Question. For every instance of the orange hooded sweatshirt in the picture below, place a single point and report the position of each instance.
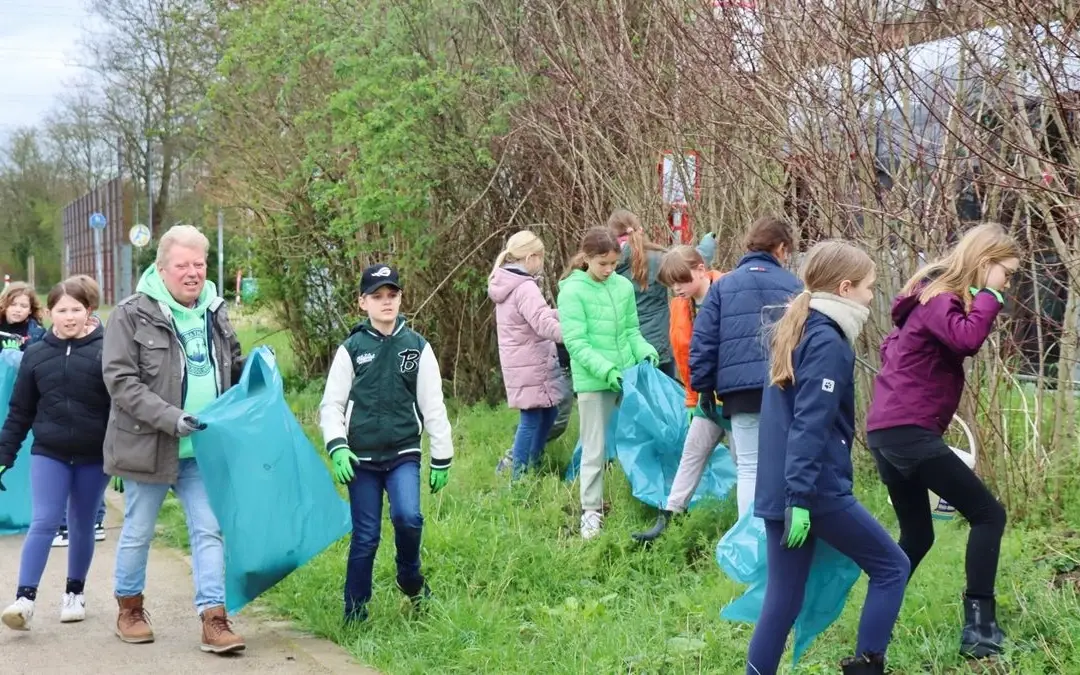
(680, 331)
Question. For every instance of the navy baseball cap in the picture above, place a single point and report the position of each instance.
(377, 276)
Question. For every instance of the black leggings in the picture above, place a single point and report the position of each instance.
(952, 480)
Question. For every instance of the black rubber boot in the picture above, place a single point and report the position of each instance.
(981, 637)
(863, 665)
(662, 521)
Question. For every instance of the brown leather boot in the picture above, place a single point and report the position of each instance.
(133, 624)
(217, 634)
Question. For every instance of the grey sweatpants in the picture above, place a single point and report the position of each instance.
(594, 412)
(700, 442)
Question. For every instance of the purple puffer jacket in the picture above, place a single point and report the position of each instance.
(922, 359)
(528, 330)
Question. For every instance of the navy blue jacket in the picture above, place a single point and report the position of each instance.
(804, 444)
(727, 351)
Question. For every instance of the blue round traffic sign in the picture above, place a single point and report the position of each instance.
(97, 221)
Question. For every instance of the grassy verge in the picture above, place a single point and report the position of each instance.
(518, 592)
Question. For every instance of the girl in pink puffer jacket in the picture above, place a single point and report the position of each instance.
(528, 330)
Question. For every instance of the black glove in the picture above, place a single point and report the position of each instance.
(707, 403)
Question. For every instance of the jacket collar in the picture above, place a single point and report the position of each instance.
(759, 257)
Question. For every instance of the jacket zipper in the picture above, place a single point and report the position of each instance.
(618, 328)
(67, 399)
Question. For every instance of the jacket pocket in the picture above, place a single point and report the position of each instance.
(135, 446)
(153, 346)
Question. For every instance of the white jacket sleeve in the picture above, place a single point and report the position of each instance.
(334, 408)
(429, 398)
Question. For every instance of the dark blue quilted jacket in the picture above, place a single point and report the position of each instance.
(728, 351)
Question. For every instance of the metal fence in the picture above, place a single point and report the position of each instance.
(113, 199)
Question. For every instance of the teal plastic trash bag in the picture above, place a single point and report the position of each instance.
(650, 436)
(268, 486)
(647, 433)
(15, 501)
(741, 554)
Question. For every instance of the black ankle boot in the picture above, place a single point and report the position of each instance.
(981, 636)
(662, 521)
(871, 664)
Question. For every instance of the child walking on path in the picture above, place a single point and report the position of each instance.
(600, 328)
(384, 389)
(528, 330)
(20, 316)
(804, 477)
(727, 352)
(639, 261)
(93, 295)
(59, 394)
(685, 272)
(943, 315)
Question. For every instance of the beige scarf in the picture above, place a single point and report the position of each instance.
(850, 315)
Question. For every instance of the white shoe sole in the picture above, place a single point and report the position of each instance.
(72, 618)
(15, 620)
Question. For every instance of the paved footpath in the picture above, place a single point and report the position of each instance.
(91, 646)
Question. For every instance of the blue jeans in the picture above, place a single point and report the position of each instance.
(54, 486)
(531, 437)
(402, 486)
(853, 532)
(142, 502)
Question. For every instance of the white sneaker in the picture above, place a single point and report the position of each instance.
(72, 608)
(18, 615)
(61, 538)
(591, 523)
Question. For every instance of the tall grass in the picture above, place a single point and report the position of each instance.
(517, 591)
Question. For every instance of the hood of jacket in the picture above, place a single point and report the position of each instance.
(903, 306)
(153, 285)
(505, 280)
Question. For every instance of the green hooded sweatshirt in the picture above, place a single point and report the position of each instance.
(191, 325)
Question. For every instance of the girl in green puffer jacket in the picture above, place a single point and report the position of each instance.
(599, 322)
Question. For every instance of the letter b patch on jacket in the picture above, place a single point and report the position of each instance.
(410, 360)
(828, 385)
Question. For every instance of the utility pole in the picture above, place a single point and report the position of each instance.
(221, 251)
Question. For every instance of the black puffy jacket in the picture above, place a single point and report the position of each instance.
(59, 394)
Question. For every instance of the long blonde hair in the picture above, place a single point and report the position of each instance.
(827, 265)
(518, 247)
(959, 269)
(622, 222)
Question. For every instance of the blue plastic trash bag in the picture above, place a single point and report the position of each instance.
(741, 554)
(649, 440)
(15, 502)
(268, 486)
(647, 433)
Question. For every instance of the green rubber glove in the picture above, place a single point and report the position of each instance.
(2, 470)
(438, 478)
(997, 294)
(614, 380)
(117, 484)
(343, 459)
(653, 360)
(796, 526)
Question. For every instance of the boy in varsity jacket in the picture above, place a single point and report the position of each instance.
(383, 390)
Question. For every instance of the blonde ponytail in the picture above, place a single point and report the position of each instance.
(786, 335)
(518, 247)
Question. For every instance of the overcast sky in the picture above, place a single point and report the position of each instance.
(38, 47)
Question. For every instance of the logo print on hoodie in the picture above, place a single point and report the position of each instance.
(198, 356)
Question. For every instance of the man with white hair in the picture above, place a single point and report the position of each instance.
(169, 351)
